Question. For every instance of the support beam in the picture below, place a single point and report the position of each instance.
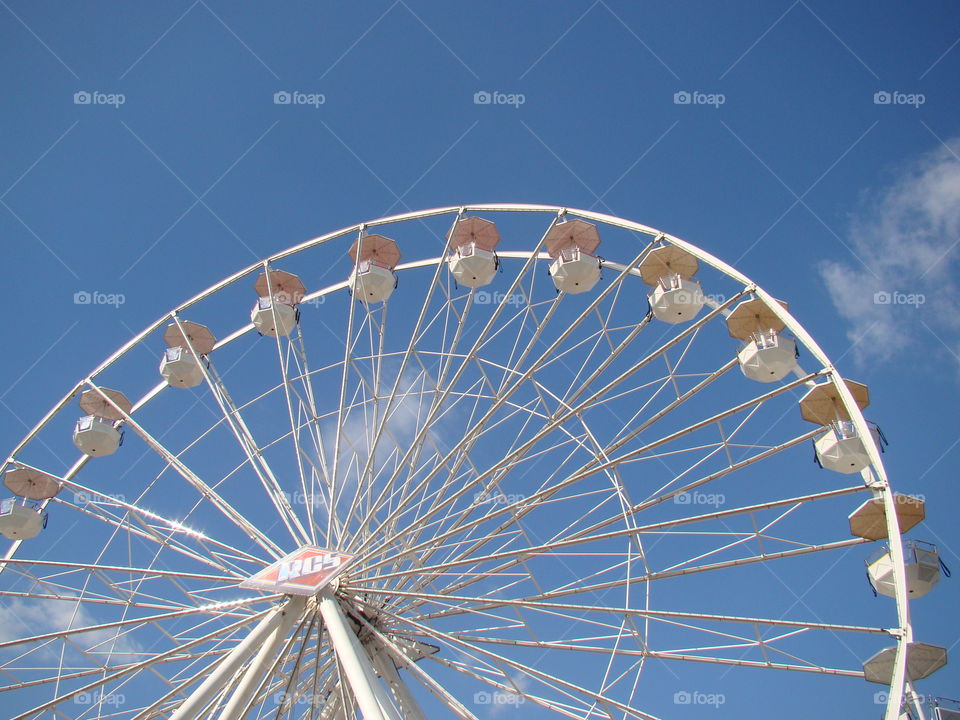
(201, 697)
(253, 676)
(367, 689)
(401, 693)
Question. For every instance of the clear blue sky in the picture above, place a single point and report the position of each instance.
(798, 173)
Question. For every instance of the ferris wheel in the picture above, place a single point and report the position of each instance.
(452, 463)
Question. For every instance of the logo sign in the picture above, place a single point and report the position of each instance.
(302, 572)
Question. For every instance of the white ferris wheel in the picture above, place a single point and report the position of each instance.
(455, 462)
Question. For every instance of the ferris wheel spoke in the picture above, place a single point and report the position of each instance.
(806, 667)
(220, 608)
(285, 508)
(566, 687)
(380, 426)
(439, 400)
(145, 531)
(560, 542)
(312, 423)
(537, 498)
(459, 604)
(133, 667)
(199, 485)
(333, 530)
(241, 432)
(580, 587)
(463, 447)
(254, 454)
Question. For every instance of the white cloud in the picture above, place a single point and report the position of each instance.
(19, 619)
(906, 239)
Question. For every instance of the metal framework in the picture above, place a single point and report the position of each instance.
(538, 489)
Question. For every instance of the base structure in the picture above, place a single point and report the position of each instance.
(374, 683)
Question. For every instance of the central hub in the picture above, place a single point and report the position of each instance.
(303, 572)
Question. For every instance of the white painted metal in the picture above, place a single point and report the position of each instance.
(384, 665)
(445, 539)
(575, 271)
(472, 266)
(95, 436)
(194, 705)
(19, 521)
(768, 357)
(180, 369)
(364, 684)
(372, 282)
(922, 570)
(253, 675)
(676, 299)
(273, 318)
(840, 448)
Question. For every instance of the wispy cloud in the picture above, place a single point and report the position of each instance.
(19, 619)
(907, 234)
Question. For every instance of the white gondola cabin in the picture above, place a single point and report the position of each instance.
(767, 356)
(675, 296)
(20, 520)
(96, 434)
(373, 278)
(923, 660)
(178, 366)
(842, 450)
(472, 260)
(571, 244)
(278, 294)
(273, 316)
(921, 563)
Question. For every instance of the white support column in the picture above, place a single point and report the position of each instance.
(370, 694)
(201, 697)
(237, 705)
(388, 671)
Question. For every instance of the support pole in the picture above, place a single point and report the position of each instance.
(237, 705)
(388, 671)
(191, 708)
(370, 694)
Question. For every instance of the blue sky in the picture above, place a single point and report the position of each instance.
(818, 153)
